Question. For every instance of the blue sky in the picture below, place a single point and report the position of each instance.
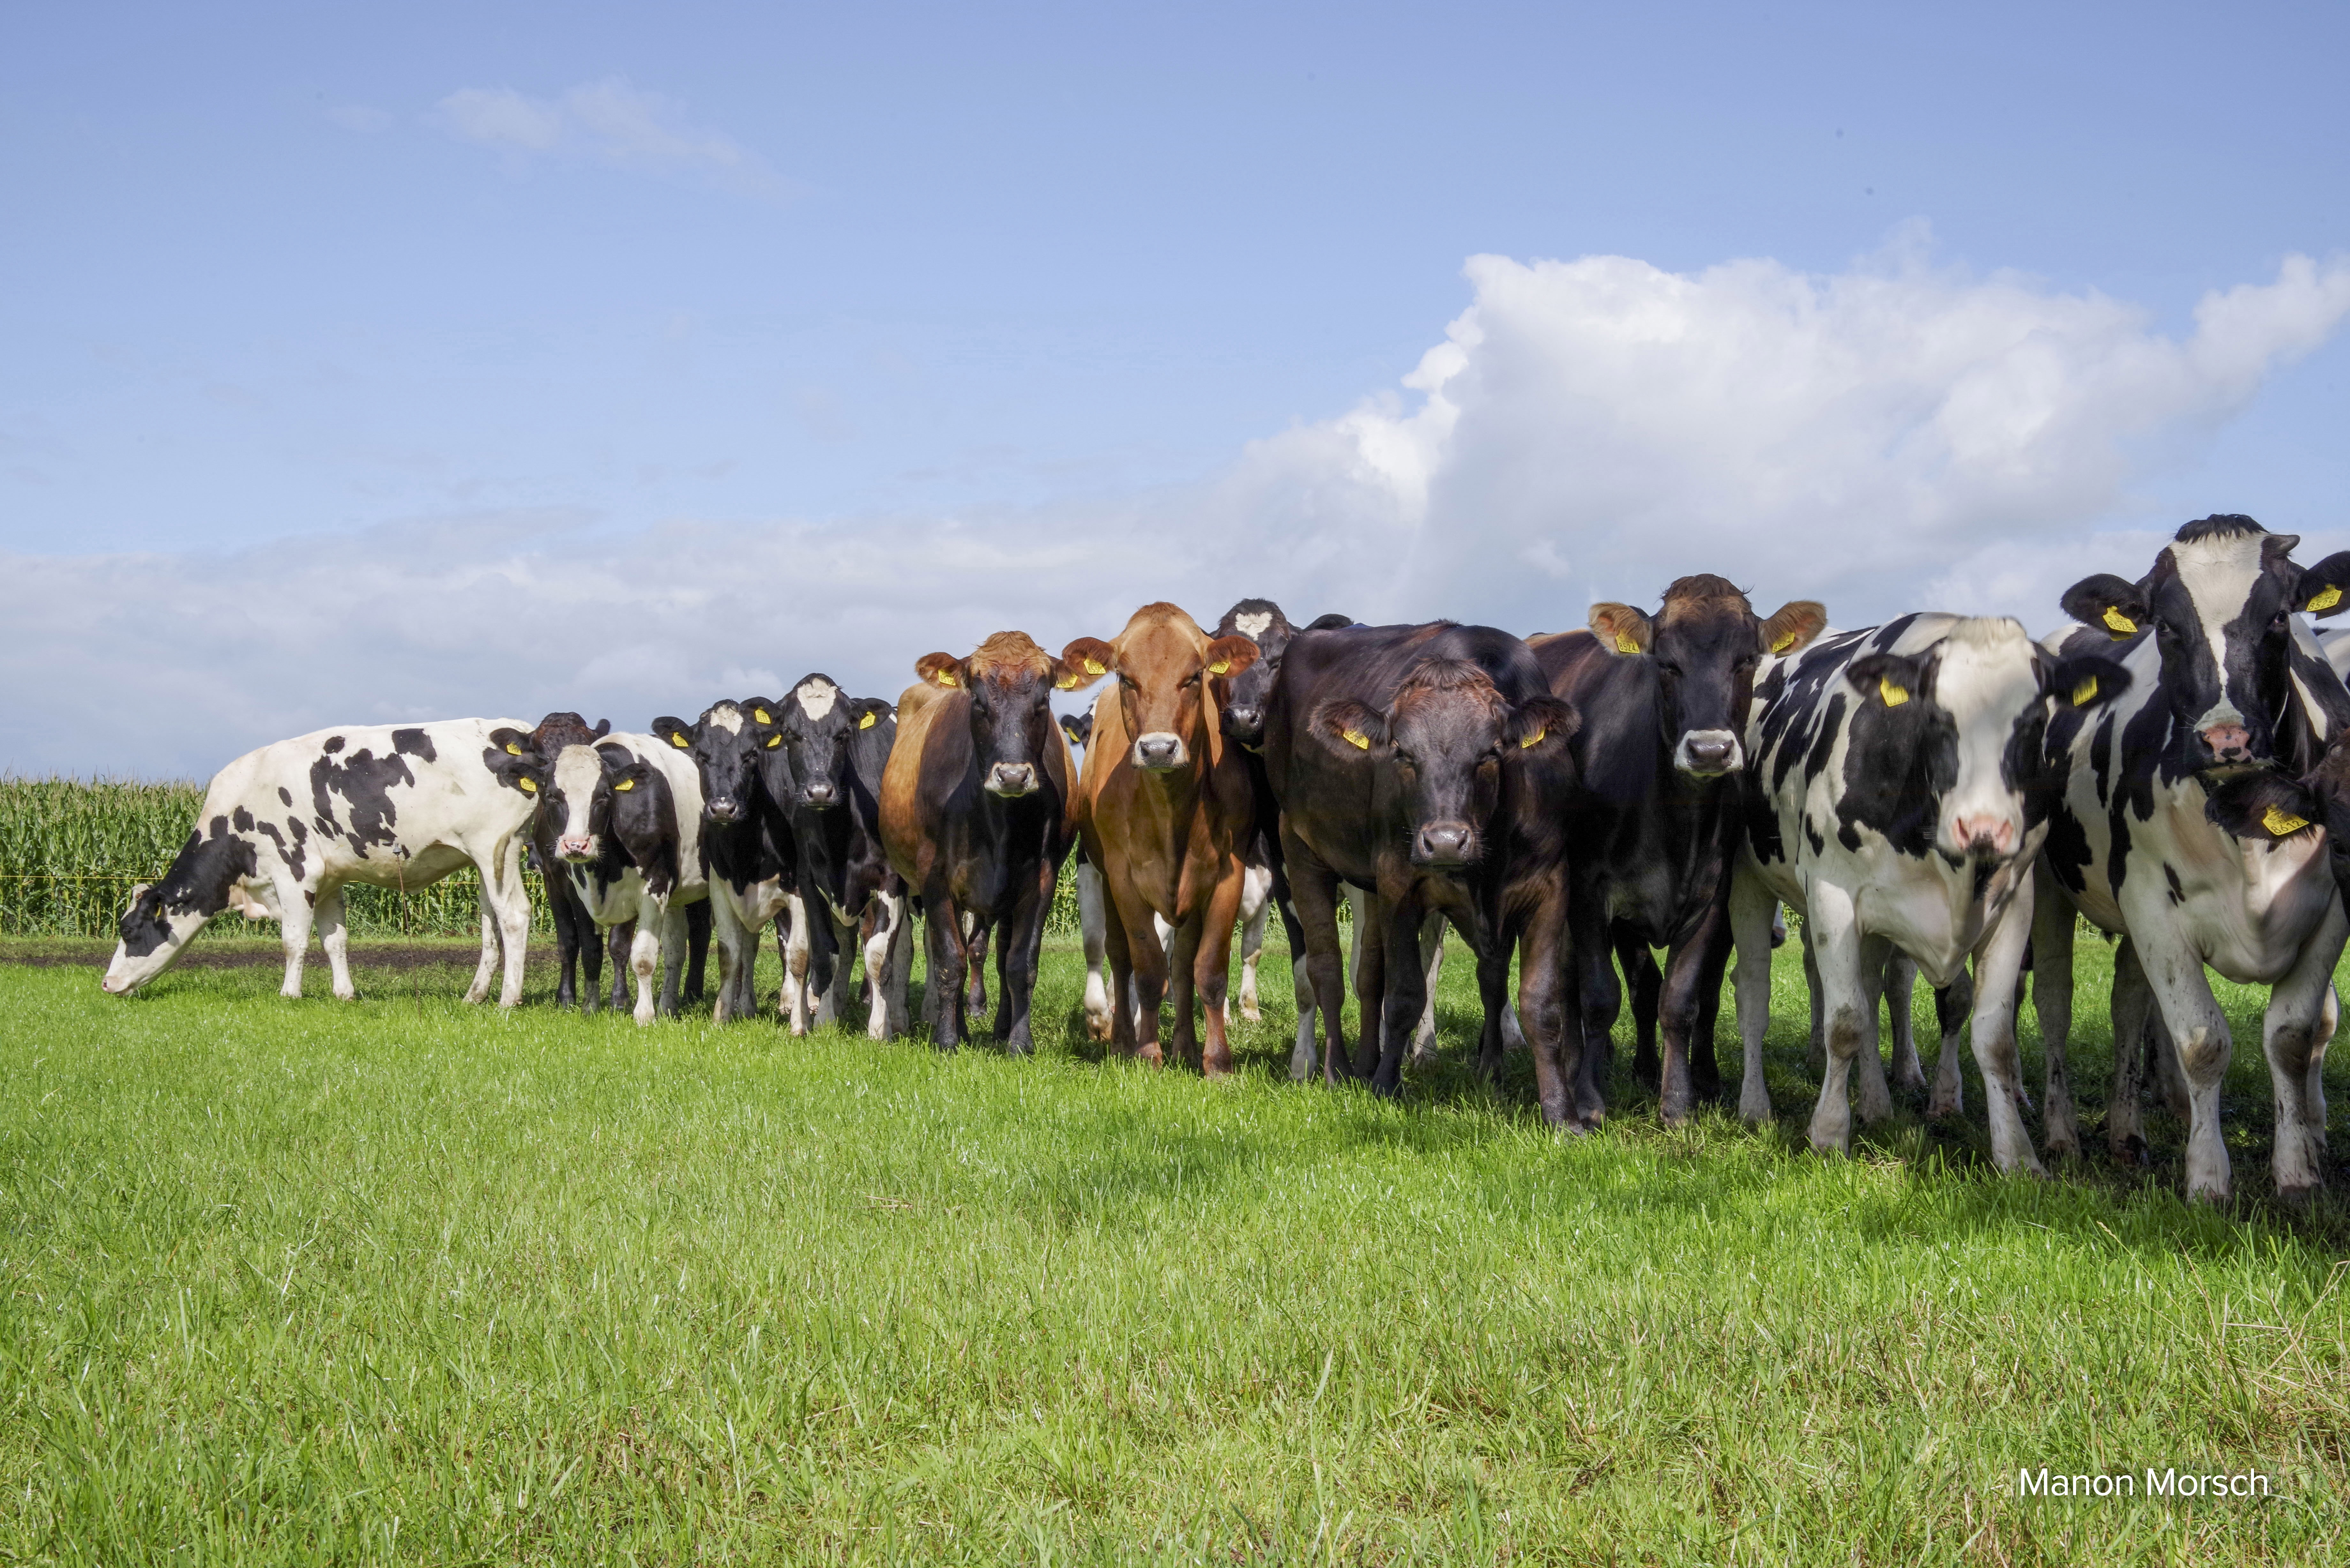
(400, 361)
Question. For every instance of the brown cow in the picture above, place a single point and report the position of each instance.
(976, 815)
(1166, 808)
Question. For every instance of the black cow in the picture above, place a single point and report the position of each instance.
(748, 850)
(1429, 764)
(1657, 811)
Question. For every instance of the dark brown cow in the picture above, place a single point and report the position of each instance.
(976, 815)
(1166, 808)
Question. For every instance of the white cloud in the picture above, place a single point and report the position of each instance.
(609, 121)
(1892, 437)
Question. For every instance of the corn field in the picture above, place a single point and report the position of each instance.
(72, 849)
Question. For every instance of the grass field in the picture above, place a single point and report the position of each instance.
(405, 1281)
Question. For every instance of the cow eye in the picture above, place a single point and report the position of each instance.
(1190, 680)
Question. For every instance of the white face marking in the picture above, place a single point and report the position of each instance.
(816, 698)
(578, 771)
(1986, 683)
(1253, 624)
(2217, 574)
(727, 717)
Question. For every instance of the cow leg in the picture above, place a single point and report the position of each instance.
(644, 963)
(697, 939)
(1256, 902)
(1898, 984)
(1400, 998)
(2198, 1032)
(1432, 966)
(798, 958)
(674, 925)
(1372, 919)
(1752, 911)
(1640, 974)
(736, 951)
(2052, 923)
(1301, 987)
(975, 1000)
(588, 940)
(1144, 984)
(1999, 965)
(1093, 926)
(2293, 1036)
(506, 898)
(879, 948)
(1545, 1004)
(1598, 997)
(1834, 930)
(1313, 889)
(335, 937)
(901, 966)
(1208, 961)
(2137, 1034)
(1875, 1095)
(1020, 946)
(622, 941)
(1953, 1003)
(1711, 955)
(294, 933)
(832, 996)
(1815, 1056)
(1494, 998)
(1689, 966)
(948, 956)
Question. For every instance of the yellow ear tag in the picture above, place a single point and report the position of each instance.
(946, 677)
(679, 741)
(513, 750)
(1067, 684)
(863, 723)
(2280, 822)
(1894, 695)
(774, 741)
(1220, 666)
(760, 715)
(624, 786)
(2084, 692)
(2119, 624)
(1624, 643)
(2324, 601)
(1784, 644)
(525, 786)
(1535, 738)
(1096, 667)
(1357, 739)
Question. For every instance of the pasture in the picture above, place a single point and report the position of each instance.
(400, 1279)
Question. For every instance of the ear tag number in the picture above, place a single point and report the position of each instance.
(2325, 600)
(2119, 624)
(1220, 666)
(1624, 643)
(863, 723)
(1358, 740)
(526, 787)
(679, 741)
(2085, 691)
(624, 786)
(513, 750)
(1096, 667)
(1785, 643)
(1535, 738)
(1894, 695)
(2282, 823)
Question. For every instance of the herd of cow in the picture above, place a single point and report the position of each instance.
(1934, 794)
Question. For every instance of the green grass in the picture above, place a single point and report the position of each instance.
(404, 1281)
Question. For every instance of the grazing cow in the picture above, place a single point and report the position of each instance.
(1657, 806)
(1899, 798)
(824, 767)
(748, 852)
(975, 815)
(630, 810)
(1165, 809)
(390, 805)
(1429, 764)
(2229, 680)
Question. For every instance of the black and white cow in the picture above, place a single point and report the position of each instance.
(2228, 680)
(390, 805)
(629, 808)
(747, 849)
(1899, 796)
(823, 752)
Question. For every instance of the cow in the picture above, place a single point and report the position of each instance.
(824, 757)
(747, 850)
(1165, 809)
(629, 810)
(2229, 680)
(1429, 764)
(577, 943)
(976, 818)
(392, 805)
(1899, 799)
(1657, 809)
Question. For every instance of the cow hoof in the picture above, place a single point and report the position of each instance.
(1753, 1108)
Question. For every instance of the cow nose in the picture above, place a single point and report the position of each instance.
(723, 810)
(1158, 753)
(1983, 836)
(2229, 742)
(572, 847)
(1709, 752)
(818, 795)
(1444, 844)
(1243, 722)
(1011, 779)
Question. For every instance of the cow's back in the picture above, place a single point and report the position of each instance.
(361, 793)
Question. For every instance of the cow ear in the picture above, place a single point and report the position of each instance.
(939, 670)
(1230, 655)
(1887, 677)
(1621, 629)
(1348, 728)
(869, 711)
(603, 728)
(1546, 723)
(512, 761)
(1797, 622)
(676, 731)
(2087, 679)
(2324, 585)
(1083, 662)
(511, 742)
(2265, 807)
(1078, 727)
(2107, 601)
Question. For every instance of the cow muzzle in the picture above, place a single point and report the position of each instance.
(2229, 744)
(724, 812)
(1984, 836)
(579, 847)
(1012, 779)
(1709, 754)
(1160, 752)
(1245, 725)
(1444, 844)
(819, 796)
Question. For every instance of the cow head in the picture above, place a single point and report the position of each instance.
(1241, 696)
(1445, 738)
(817, 725)
(724, 743)
(1705, 643)
(1011, 681)
(2268, 808)
(1164, 663)
(1079, 728)
(163, 916)
(1958, 731)
(588, 787)
(2220, 601)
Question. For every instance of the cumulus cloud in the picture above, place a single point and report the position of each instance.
(609, 122)
(1895, 436)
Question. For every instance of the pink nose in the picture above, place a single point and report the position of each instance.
(2229, 742)
(1994, 833)
(571, 846)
